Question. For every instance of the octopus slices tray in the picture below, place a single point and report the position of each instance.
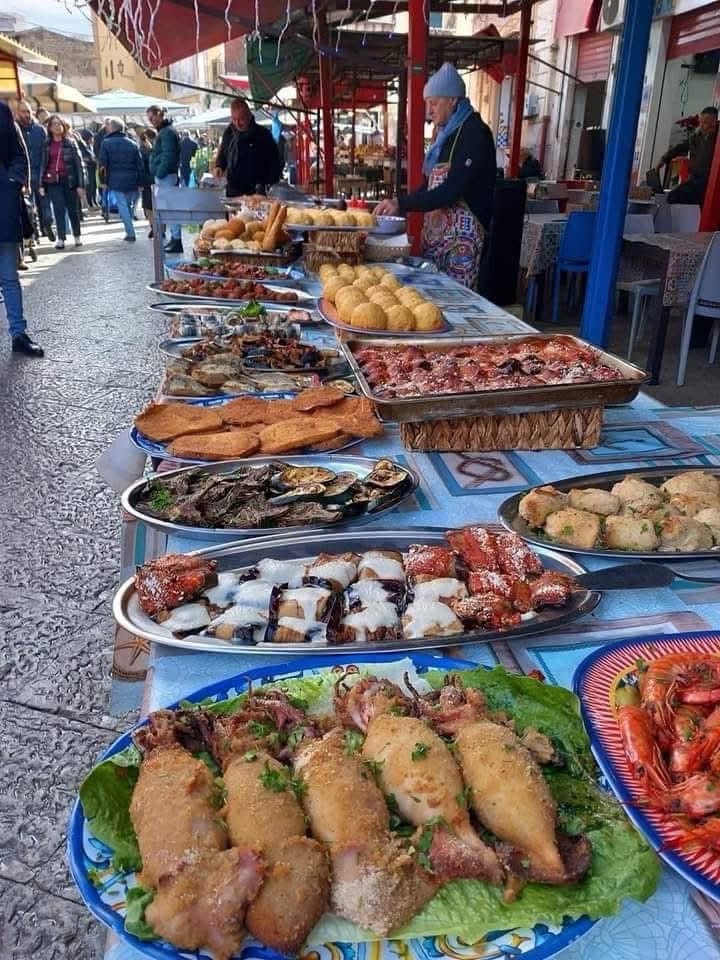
(339, 479)
(117, 823)
(329, 314)
(678, 813)
(279, 295)
(310, 592)
(657, 513)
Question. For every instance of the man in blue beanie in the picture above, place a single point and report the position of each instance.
(460, 172)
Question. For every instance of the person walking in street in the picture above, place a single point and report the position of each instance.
(188, 149)
(164, 164)
(123, 172)
(699, 147)
(14, 177)
(147, 139)
(63, 180)
(248, 156)
(85, 142)
(35, 136)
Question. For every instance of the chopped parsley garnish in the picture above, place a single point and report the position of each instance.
(275, 780)
(375, 767)
(161, 498)
(296, 737)
(419, 751)
(392, 804)
(464, 797)
(259, 729)
(353, 741)
(397, 711)
(423, 843)
(250, 756)
(567, 531)
(641, 665)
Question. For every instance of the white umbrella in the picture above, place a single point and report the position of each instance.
(52, 95)
(126, 103)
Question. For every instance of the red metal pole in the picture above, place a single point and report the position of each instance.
(326, 104)
(417, 75)
(353, 137)
(710, 217)
(519, 92)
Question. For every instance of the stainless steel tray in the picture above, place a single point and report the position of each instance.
(335, 366)
(361, 466)
(303, 297)
(511, 519)
(443, 405)
(238, 556)
(173, 308)
(329, 314)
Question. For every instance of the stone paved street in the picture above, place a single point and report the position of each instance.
(59, 556)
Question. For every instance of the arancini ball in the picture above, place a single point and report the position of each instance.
(400, 318)
(364, 283)
(428, 316)
(347, 303)
(391, 282)
(369, 316)
(332, 287)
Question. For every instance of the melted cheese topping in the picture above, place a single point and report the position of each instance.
(430, 619)
(380, 567)
(278, 572)
(367, 592)
(432, 590)
(311, 600)
(373, 617)
(224, 593)
(342, 572)
(306, 630)
(190, 616)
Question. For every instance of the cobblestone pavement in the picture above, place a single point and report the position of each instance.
(59, 554)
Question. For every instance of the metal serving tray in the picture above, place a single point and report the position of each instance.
(174, 308)
(441, 406)
(511, 519)
(361, 466)
(303, 297)
(239, 556)
(336, 364)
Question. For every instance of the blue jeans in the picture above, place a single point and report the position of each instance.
(125, 202)
(10, 286)
(171, 181)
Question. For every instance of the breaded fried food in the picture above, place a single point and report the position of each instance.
(165, 421)
(294, 434)
(316, 397)
(244, 411)
(216, 446)
(327, 446)
(356, 415)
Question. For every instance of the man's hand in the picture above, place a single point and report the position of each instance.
(387, 208)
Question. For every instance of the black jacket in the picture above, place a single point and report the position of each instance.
(73, 162)
(120, 159)
(14, 175)
(471, 176)
(248, 157)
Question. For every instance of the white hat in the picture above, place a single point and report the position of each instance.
(447, 82)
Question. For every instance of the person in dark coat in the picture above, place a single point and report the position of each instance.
(124, 172)
(35, 136)
(248, 156)
(188, 149)
(699, 147)
(147, 139)
(530, 168)
(165, 163)
(14, 176)
(63, 179)
(85, 142)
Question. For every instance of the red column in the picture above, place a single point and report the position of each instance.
(519, 92)
(417, 75)
(710, 218)
(326, 105)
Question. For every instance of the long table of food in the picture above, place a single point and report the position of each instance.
(369, 629)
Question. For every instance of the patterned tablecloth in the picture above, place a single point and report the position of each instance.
(676, 257)
(461, 488)
(542, 235)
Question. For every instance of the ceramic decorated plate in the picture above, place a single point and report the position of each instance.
(608, 675)
(538, 923)
(329, 314)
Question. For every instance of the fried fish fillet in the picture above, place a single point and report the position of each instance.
(316, 397)
(245, 411)
(294, 434)
(216, 446)
(165, 421)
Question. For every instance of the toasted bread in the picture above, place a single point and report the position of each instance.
(296, 434)
(216, 446)
(165, 421)
(316, 397)
(244, 411)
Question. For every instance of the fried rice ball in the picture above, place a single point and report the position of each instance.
(331, 288)
(364, 283)
(346, 301)
(427, 316)
(345, 270)
(378, 272)
(400, 318)
(323, 220)
(369, 316)
(391, 282)
(327, 271)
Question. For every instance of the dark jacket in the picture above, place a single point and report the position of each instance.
(165, 154)
(471, 177)
(120, 159)
(188, 149)
(699, 147)
(14, 175)
(35, 137)
(248, 157)
(72, 160)
(530, 169)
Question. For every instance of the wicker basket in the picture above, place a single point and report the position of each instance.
(329, 246)
(385, 252)
(542, 430)
(282, 258)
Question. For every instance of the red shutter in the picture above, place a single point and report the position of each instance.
(594, 55)
(575, 16)
(695, 32)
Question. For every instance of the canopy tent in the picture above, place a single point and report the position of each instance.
(220, 117)
(125, 102)
(13, 53)
(52, 95)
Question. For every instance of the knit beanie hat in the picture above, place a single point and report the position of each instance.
(447, 82)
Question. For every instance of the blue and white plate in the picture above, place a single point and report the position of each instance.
(104, 889)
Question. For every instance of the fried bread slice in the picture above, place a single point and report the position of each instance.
(245, 411)
(225, 445)
(165, 421)
(297, 433)
(316, 397)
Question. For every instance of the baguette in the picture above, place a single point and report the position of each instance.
(272, 232)
(272, 215)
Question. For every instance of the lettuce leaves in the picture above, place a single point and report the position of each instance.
(623, 865)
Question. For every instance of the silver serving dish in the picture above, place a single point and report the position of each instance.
(282, 276)
(240, 556)
(202, 308)
(511, 519)
(440, 406)
(335, 366)
(361, 466)
(303, 297)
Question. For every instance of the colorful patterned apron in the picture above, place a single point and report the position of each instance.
(453, 237)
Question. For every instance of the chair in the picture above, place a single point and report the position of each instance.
(639, 223)
(642, 291)
(574, 255)
(684, 217)
(705, 300)
(542, 206)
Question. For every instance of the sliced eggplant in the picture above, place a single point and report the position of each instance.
(297, 494)
(341, 489)
(387, 475)
(305, 513)
(300, 476)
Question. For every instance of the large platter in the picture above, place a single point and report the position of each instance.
(335, 367)
(104, 888)
(303, 297)
(511, 519)
(594, 682)
(329, 314)
(129, 614)
(361, 466)
(314, 227)
(173, 308)
(276, 275)
(511, 400)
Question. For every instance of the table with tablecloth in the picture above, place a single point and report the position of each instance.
(459, 488)
(675, 258)
(541, 239)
